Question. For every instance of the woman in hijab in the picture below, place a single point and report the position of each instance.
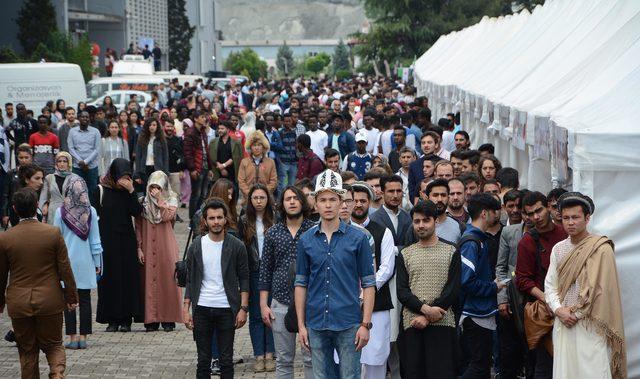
(119, 298)
(78, 222)
(51, 197)
(158, 254)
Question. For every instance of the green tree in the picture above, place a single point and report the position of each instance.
(59, 47)
(404, 30)
(317, 63)
(36, 20)
(341, 57)
(246, 62)
(7, 55)
(180, 34)
(284, 59)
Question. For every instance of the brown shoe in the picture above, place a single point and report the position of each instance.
(270, 365)
(259, 366)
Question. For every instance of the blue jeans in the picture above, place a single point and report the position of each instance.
(286, 175)
(91, 178)
(323, 342)
(261, 335)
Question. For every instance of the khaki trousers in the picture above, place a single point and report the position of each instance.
(40, 333)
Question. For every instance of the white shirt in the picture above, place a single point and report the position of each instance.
(392, 216)
(372, 138)
(385, 142)
(448, 141)
(319, 141)
(212, 289)
(150, 157)
(260, 235)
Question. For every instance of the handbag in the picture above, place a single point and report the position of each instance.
(181, 266)
(291, 319)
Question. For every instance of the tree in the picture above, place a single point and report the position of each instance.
(180, 34)
(7, 55)
(246, 62)
(36, 20)
(284, 59)
(341, 57)
(317, 63)
(401, 31)
(59, 47)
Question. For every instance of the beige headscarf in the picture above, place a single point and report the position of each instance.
(152, 210)
(592, 263)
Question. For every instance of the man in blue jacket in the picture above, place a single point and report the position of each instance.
(341, 139)
(479, 290)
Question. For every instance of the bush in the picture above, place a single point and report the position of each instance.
(59, 47)
(317, 63)
(343, 74)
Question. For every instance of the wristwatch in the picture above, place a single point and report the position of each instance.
(367, 325)
(244, 308)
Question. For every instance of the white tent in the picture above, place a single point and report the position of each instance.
(557, 91)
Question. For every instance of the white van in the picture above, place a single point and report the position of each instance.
(100, 86)
(133, 65)
(167, 76)
(33, 84)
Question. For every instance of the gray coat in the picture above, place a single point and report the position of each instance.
(235, 271)
(508, 256)
(160, 157)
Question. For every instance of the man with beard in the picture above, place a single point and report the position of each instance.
(471, 184)
(276, 267)
(513, 348)
(429, 144)
(398, 221)
(470, 159)
(218, 288)
(534, 251)
(375, 354)
(456, 162)
(447, 228)
(457, 200)
(374, 179)
(478, 287)
(428, 287)
(512, 206)
(461, 140)
(552, 204)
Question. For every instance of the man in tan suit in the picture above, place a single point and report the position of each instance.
(36, 256)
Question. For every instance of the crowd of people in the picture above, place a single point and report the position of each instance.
(336, 215)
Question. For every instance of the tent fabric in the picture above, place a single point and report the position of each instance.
(556, 90)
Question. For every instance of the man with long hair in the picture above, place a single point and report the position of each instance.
(276, 277)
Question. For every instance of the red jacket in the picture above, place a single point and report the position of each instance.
(527, 276)
(309, 166)
(192, 148)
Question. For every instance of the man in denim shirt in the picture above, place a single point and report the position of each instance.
(334, 262)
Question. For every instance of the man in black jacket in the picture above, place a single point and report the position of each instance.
(176, 159)
(21, 128)
(218, 287)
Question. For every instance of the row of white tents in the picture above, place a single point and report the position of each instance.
(557, 91)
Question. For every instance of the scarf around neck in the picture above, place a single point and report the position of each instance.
(592, 264)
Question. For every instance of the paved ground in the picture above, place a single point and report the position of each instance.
(134, 355)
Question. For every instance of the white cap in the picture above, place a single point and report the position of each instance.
(329, 181)
(361, 136)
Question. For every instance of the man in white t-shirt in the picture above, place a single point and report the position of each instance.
(217, 285)
(372, 133)
(319, 138)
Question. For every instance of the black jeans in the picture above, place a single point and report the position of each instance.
(205, 321)
(513, 350)
(428, 353)
(84, 305)
(544, 364)
(199, 189)
(480, 343)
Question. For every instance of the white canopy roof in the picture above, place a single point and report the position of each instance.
(557, 91)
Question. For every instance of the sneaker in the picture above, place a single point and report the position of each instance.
(112, 328)
(259, 365)
(215, 367)
(10, 336)
(270, 365)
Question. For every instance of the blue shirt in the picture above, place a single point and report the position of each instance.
(84, 145)
(289, 146)
(333, 273)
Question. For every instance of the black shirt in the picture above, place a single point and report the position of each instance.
(224, 154)
(394, 161)
(493, 244)
(176, 155)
